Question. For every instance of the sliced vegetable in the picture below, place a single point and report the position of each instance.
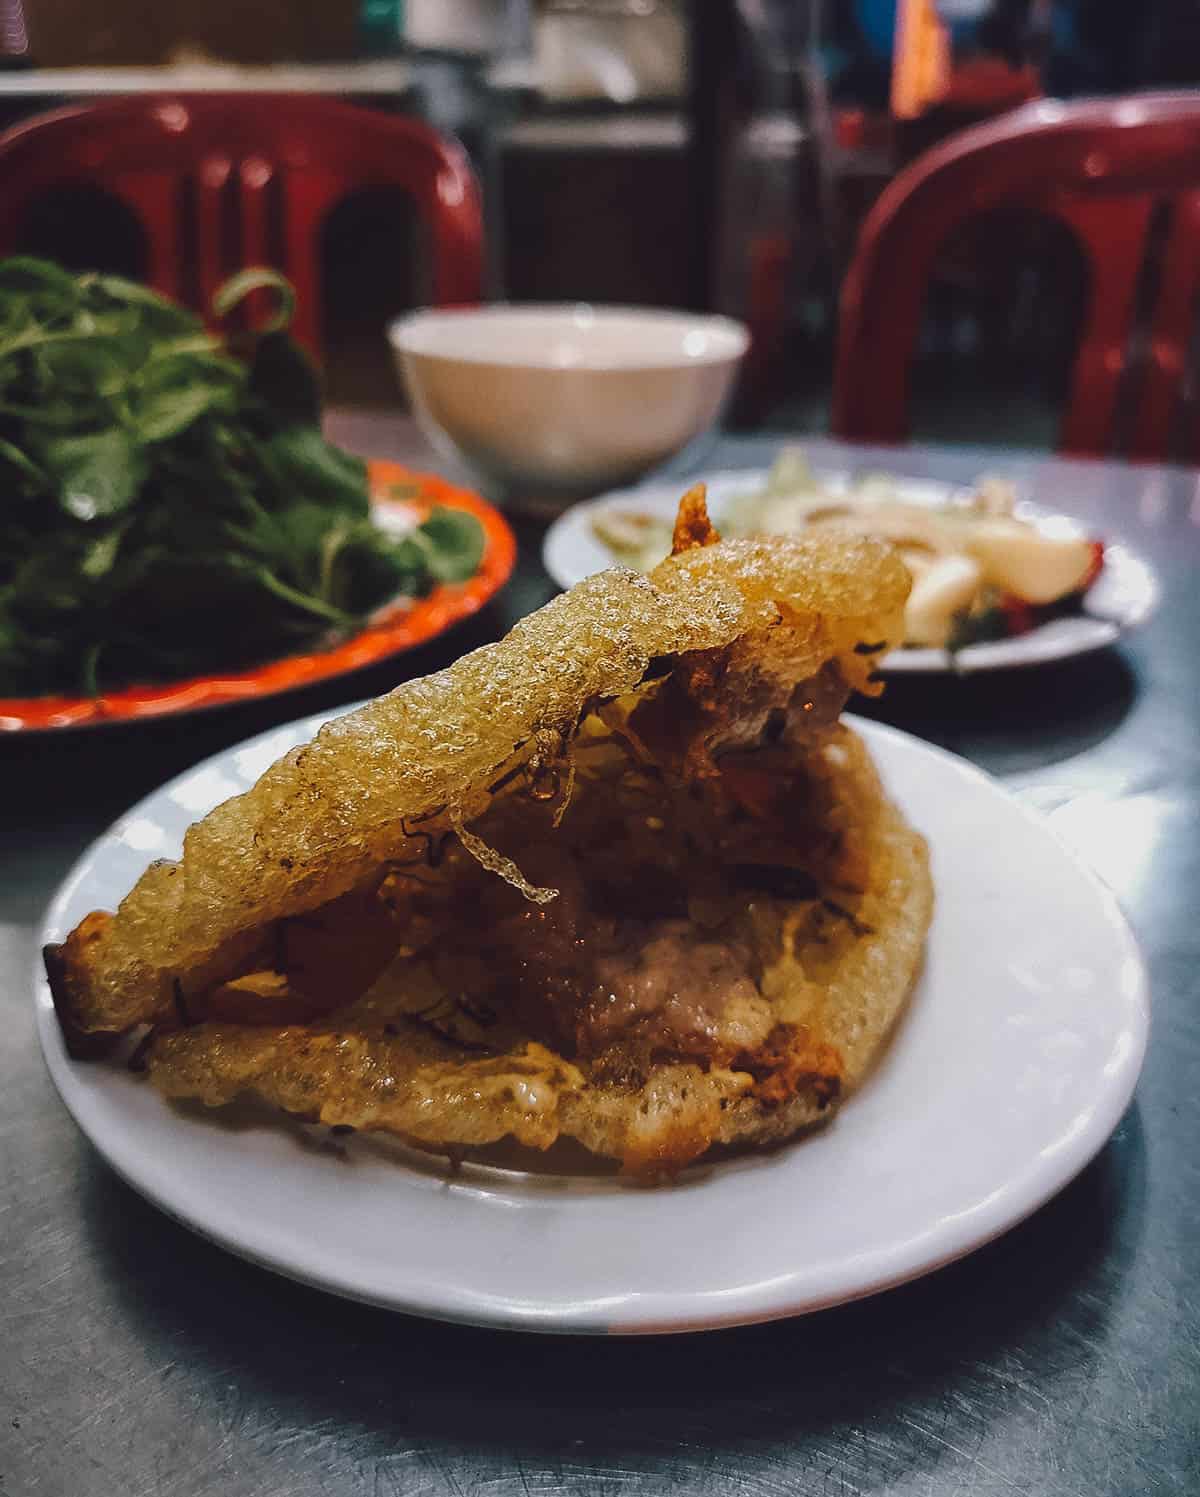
(1032, 565)
(942, 592)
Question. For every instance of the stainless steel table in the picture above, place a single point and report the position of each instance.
(136, 1359)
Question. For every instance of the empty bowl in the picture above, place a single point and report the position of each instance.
(555, 401)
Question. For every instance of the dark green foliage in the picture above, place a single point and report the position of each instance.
(169, 509)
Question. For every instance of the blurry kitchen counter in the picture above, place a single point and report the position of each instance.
(378, 76)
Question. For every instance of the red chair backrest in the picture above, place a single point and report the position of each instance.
(1102, 169)
(222, 181)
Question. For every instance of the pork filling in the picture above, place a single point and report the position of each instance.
(669, 889)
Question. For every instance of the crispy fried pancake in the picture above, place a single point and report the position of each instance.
(620, 877)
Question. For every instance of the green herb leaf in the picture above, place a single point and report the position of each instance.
(25, 275)
(257, 278)
(284, 378)
(96, 474)
(453, 543)
(149, 306)
(21, 461)
(300, 460)
(100, 556)
(165, 413)
(366, 568)
(169, 508)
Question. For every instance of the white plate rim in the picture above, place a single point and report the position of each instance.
(1127, 592)
(630, 1314)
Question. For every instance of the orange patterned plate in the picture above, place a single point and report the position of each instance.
(396, 629)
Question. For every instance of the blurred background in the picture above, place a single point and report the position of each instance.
(717, 155)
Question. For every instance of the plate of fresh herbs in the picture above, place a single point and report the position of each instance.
(175, 531)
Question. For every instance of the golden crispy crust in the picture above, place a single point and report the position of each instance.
(692, 526)
(685, 671)
(68, 968)
(326, 815)
(832, 1000)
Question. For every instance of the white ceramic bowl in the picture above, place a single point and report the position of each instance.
(563, 399)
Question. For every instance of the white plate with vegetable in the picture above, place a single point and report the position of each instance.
(997, 581)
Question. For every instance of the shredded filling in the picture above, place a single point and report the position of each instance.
(679, 837)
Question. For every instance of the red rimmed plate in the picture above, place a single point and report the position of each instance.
(394, 630)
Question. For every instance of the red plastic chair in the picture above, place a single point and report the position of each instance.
(1102, 169)
(222, 181)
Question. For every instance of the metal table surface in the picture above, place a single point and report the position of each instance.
(135, 1358)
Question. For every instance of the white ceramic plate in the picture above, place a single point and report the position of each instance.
(1014, 1063)
(1123, 596)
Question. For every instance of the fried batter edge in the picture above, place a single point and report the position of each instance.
(317, 822)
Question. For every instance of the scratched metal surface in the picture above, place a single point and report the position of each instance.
(1062, 1361)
